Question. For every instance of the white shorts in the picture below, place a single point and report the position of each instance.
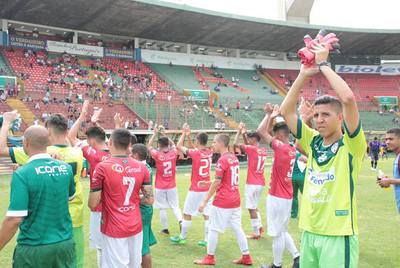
(253, 195)
(167, 198)
(222, 218)
(192, 203)
(95, 235)
(278, 215)
(122, 252)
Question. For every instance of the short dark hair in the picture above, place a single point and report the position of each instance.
(163, 141)
(202, 137)
(328, 99)
(223, 138)
(254, 135)
(121, 138)
(140, 150)
(281, 126)
(96, 133)
(58, 123)
(375, 138)
(133, 139)
(395, 131)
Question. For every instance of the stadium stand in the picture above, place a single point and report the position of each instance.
(365, 86)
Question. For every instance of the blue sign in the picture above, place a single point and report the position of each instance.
(27, 42)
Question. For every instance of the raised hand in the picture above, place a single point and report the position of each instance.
(268, 108)
(10, 117)
(275, 111)
(96, 115)
(186, 129)
(241, 126)
(321, 52)
(118, 119)
(306, 110)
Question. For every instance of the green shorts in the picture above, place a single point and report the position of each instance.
(148, 239)
(322, 251)
(79, 245)
(60, 255)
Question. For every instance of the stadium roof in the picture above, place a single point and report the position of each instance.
(164, 21)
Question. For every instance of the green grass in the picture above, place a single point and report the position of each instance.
(378, 220)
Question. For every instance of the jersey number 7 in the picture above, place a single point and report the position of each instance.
(130, 181)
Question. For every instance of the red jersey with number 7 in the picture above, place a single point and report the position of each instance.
(256, 157)
(282, 168)
(165, 168)
(201, 165)
(120, 180)
(227, 195)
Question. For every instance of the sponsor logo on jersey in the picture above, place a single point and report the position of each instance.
(117, 168)
(52, 170)
(320, 178)
(130, 169)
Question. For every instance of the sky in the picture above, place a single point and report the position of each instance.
(377, 14)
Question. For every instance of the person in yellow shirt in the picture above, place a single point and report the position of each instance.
(57, 126)
(328, 214)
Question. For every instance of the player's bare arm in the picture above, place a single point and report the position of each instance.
(148, 196)
(152, 138)
(345, 94)
(213, 188)
(288, 106)
(8, 229)
(94, 199)
(73, 132)
(185, 132)
(236, 143)
(8, 118)
(272, 117)
(268, 108)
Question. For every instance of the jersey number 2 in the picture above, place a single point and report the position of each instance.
(205, 167)
(167, 168)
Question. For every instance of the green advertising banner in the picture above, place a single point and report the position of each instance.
(4, 80)
(387, 100)
(197, 94)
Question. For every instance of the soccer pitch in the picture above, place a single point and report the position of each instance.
(378, 221)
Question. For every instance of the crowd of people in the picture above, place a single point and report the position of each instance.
(46, 201)
(101, 80)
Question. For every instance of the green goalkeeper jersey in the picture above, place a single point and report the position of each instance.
(329, 200)
(72, 156)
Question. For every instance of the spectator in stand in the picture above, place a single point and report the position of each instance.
(151, 125)
(136, 124)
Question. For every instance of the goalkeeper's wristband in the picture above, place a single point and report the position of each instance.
(324, 63)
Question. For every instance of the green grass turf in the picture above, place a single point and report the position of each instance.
(378, 220)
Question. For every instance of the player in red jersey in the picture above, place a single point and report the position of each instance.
(256, 157)
(166, 194)
(201, 157)
(116, 185)
(95, 150)
(226, 211)
(279, 200)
